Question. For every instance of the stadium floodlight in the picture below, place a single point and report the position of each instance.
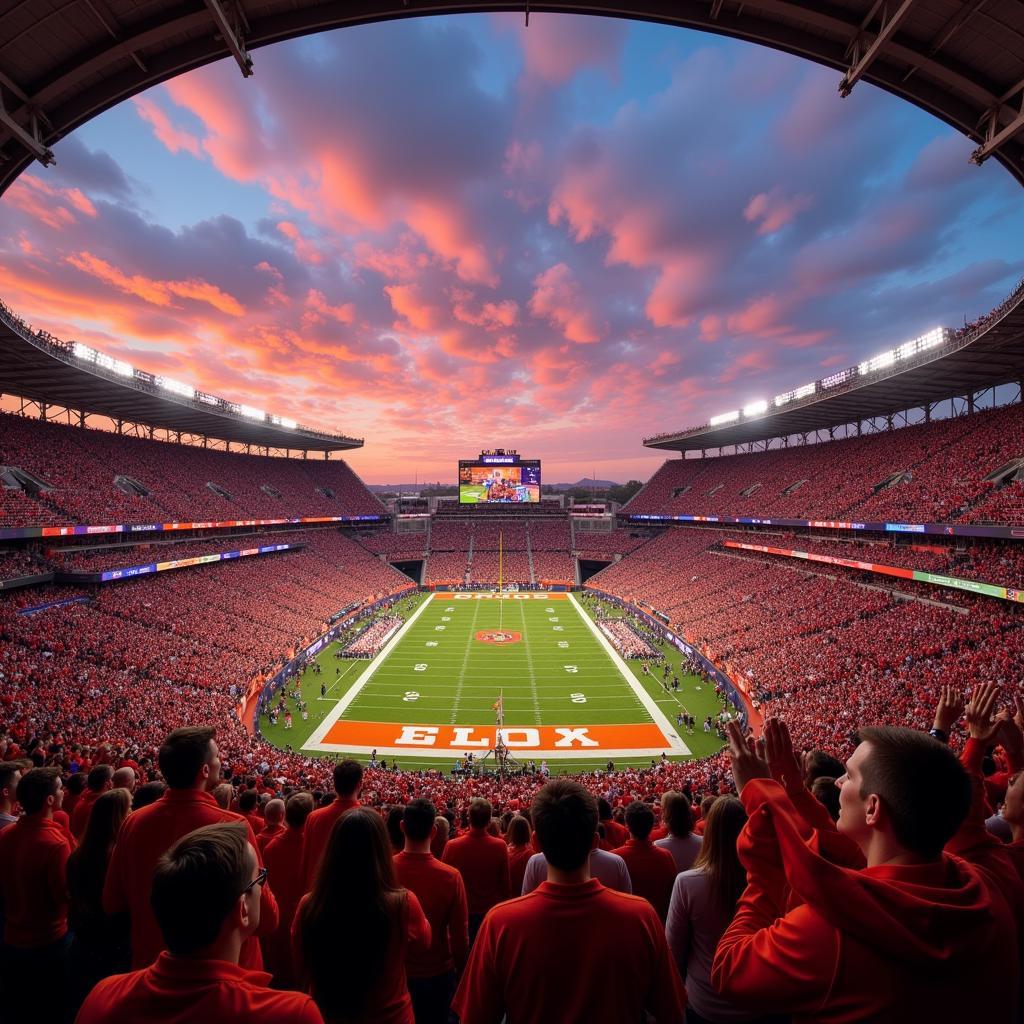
(725, 417)
(84, 352)
(879, 362)
(757, 408)
(201, 396)
(252, 413)
(176, 387)
(290, 424)
(797, 393)
(118, 366)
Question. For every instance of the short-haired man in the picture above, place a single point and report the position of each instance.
(98, 782)
(282, 857)
(33, 890)
(652, 870)
(206, 894)
(10, 776)
(273, 824)
(348, 781)
(571, 950)
(442, 894)
(190, 763)
(914, 935)
(482, 860)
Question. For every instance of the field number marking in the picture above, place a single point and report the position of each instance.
(446, 618)
(430, 643)
(438, 629)
(578, 698)
(558, 629)
(421, 667)
(571, 669)
(563, 644)
(411, 695)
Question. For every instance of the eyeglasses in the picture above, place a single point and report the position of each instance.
(260, 878)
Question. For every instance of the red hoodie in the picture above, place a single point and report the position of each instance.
(891, 943)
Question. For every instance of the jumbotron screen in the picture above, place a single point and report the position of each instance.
(509, 482)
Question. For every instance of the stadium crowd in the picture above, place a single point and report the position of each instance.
(932, 472)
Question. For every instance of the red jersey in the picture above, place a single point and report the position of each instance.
(146, 835)
(178, 990)
(616, 834)
(317, 832)
(266, 834)
(282, 858)
(652, 872)
(34, 853)
(389, 1003)
(835, 945)
(482, 860)
(571, 953)
(81, 812)
(518, 858)
(442, 894)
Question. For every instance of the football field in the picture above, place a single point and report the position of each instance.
(432, 690)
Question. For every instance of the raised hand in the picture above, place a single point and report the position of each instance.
(748, 756)
(981, 719)
(949, 709)
(782, 759)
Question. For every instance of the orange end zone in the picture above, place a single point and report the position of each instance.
(512, 596)
(543, 739)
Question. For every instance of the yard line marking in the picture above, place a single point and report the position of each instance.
(676, 744)
(529, 665)
(318, 734)
(470, 637)
(341, 675)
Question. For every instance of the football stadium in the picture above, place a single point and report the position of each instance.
(738, 742)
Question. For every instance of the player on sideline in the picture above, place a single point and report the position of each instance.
(571, 950)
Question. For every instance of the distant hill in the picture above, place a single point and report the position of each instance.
(586, 483)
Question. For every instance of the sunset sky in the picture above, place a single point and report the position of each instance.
(451, 233)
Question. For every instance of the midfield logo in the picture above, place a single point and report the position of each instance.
(497, 636)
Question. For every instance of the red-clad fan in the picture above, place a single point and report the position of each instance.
(10, 776)
(282, 858)
(190, 764)
(571, 950)
(207, 894)
(249, 808)
(99, 780)
(820, 937)
(482, 860)
(520, 850)
(440, 890)
(615, 835)
(355, 930)
(33, 893)
(652, 870)
(273, 825)
(348, 780)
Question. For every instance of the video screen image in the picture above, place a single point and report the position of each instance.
(480, 483)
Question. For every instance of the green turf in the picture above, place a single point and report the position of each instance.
(461, 677)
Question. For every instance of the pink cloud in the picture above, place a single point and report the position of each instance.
(51, 206)
(345, 313)
(409, 302)
(556, 47)
(174, 138)
(775, 210)
(559, 298)
(159, 293)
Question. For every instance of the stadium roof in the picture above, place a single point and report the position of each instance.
(941, 365)
(43, 369)
(63, 63)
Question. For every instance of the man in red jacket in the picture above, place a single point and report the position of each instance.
(99, 780)
(820, 937)
(348, 781)
(190, 764)
(482, 860)
(282, 858)
(652, 870)
(33, 890)
(442, 894)
(571, 950)
(206, 893)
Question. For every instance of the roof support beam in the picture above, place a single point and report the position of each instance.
(233, 39)
(30, 138)
(861, 62)
(994, 136)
